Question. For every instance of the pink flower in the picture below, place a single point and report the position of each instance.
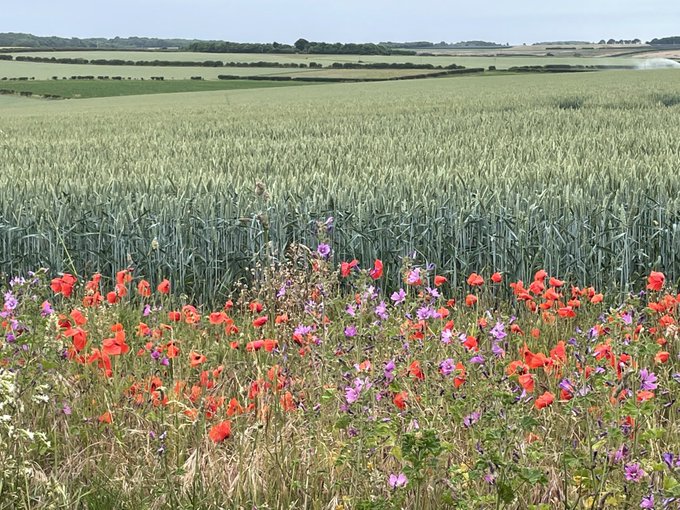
(399, 480)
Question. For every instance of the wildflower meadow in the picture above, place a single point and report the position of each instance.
(316, 387)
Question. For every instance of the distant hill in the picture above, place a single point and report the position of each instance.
(560, 43)
(21, 40)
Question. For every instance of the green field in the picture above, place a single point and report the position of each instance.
(570, 172)
(468, 60)
(106, 88)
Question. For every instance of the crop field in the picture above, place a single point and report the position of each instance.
(107, 88)
(570, 173)
(457, 292)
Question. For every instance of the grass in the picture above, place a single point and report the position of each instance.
(109, 88)
(143, 400)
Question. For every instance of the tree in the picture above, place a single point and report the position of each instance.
(302, 44)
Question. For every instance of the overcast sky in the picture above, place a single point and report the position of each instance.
(501, 21)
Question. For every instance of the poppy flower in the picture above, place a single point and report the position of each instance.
(496, 277)
(459, 380)
(554, 282)
(174, 316)
(661, 357)
(112, 298)
(164, 287)
(63, 285)
(196, 359)
(260, 321)
(527, 382)
(474, 280)
(79, 337)
(655, 281)
(346, 267)
(400, 399)
(439, 280)
(471, 300)
(116, 345)
(220, 432)
(377, 270)
(415, 370)
(106, 417)
(287, 402)
(217, 318)
(540, 275)
(144, 288)
(255, 307)
(544, 400)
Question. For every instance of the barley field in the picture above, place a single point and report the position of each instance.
(576, 174)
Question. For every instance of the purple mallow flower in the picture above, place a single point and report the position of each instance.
(350, 331)
(399, 480)
(498, 331)
(324, 250)
(471, 419)
(633, 472)
(381, 311)
(447, 367)
(647, 501)
(398, 297)
(388, 370)
(647, 380)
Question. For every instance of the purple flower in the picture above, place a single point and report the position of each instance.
(324, 250)
(647, 501)
(427, 312)
(498, 331)
(398, 297)
(471, 419)
(633, 472)
(413, 277)
(433, 292)
(479, 359)
(147, 311)
(620, 454)
(399, 480)
(66, 409)
(351, 310)
(381, 311)
(447, 367)
(10, 301)
(350, 331)
(46, 309)
(647, 380)
(497, 350)
(351, 394)
(388, 370)
(447, 334)
(627, 318)
(302, 330)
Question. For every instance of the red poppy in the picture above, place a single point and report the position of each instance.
(496, 277)
(471, 300)
(655, 281)
(174, 316)
(217, 318)
(439, 280)
(255, 306)
(64, 284)
(554, 282)
(196, 359)
(116, 345)
(540, 275)
(346, 267)
(79, 338)
(123, 276)
(527, 382)
(400, 400)
(661, 357)
(112, 298)
(415, 370)
(459, 380)
(106, 417)
(144, 288)
(287, 402)
(260, 321)
(377, 270)
(164, 287)
(221, 431)
(474, 280)
(544, 400)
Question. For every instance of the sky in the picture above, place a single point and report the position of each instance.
(502, 21)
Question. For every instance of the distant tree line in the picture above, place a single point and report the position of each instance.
(620, 41)
(33, 41)
(300, 46)
(665, 41)
(442, 44)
